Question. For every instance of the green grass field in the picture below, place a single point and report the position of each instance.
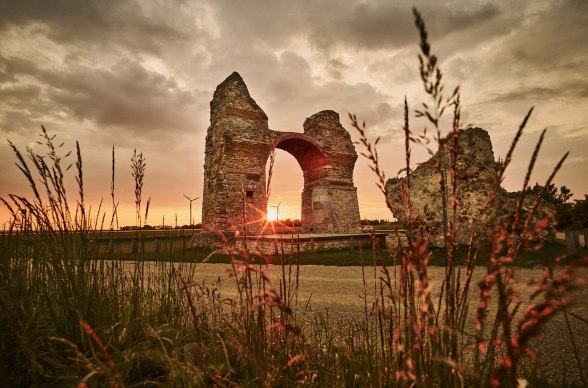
(525, 259)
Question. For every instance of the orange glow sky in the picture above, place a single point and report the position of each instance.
(140, 74)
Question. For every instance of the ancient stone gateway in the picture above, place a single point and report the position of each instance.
(238, 145)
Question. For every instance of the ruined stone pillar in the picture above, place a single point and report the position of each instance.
(329, 199)
(237, 147)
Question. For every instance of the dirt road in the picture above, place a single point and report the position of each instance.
(340, 290)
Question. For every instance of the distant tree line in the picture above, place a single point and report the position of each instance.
(160, 227)
(568, 214)
(287, 222)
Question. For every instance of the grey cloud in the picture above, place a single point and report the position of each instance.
(259, 22)
(545, 48)
(126, 96)
(98, 77)
(298, 81)
(387, 25)
(362, 99)
(527, 94)
(373, 25)
(18, 95)
(11, 68)
(335, 68)
(105, 23)
(549, 40)
(573, 89)
(14, 121)
(250, 62)
(555, 145)
(21, 107)
(577, 133)
(23, 104)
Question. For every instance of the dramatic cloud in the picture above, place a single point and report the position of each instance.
(384, 25)
(105, 24)
(140, 74)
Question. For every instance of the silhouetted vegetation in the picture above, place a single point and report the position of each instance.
(568, 214)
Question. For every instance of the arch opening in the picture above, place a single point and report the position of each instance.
(286, 184)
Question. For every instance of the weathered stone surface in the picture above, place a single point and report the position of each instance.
(238, 144)
(476, 172)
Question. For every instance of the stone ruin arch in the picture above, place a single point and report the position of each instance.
(238, 145)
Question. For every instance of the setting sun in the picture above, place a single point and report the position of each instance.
(272, 214)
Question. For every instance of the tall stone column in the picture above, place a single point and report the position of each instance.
(237, 147)
(330, 197)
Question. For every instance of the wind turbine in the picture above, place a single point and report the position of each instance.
(191, 200)
(277, 210)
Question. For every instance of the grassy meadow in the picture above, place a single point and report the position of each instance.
(71, 316)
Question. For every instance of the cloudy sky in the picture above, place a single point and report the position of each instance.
(140, 74)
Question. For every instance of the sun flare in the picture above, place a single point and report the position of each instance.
(272, 214)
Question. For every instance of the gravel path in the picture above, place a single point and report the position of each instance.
(339, 290)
